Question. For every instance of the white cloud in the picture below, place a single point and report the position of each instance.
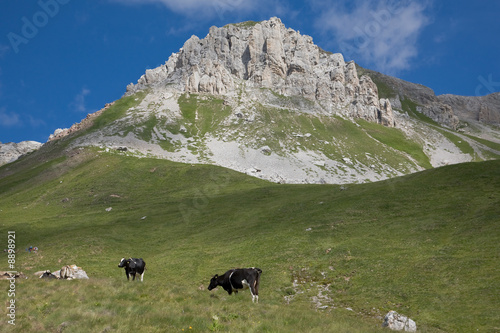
(383, 34)
(9, 119)
(199, 8)
(78, 103)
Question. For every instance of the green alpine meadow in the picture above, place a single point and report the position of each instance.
(334, 257)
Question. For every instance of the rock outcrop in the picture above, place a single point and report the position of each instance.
(441, 113)
(68, 272)
(82, 125)
(4, 275)
(397, 322)
(447, 110)
(268, 55)
(9, 152)
(485, 109)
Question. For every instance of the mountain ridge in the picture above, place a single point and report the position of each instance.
(447, 109)
(263, 99)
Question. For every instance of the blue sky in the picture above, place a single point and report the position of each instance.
(62, 59)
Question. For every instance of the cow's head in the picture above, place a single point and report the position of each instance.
(213, 282)
(123, 262)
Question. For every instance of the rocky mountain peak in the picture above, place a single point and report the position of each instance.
(268, 55)
(263, 99)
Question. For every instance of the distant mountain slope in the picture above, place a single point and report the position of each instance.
(485, 109)
(263, 99)
(448, 110)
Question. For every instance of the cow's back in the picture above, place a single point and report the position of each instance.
(141, 265)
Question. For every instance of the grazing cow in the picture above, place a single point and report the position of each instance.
(133, 266)
(240, 278)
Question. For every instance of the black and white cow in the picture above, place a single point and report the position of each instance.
(239, 278)
(133, 266)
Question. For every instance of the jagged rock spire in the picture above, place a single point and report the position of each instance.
(269, 55)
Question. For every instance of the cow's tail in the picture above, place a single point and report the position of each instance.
(256, 283)
(257, 280)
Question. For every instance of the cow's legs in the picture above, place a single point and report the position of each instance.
(254, 289)
(142, 276)
(255, 297)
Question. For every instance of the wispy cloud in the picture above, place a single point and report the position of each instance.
(35, 122)
(19, 120)
(78, 103)
(381, 34)
(177, 30)
(9, 119)
(200, 8)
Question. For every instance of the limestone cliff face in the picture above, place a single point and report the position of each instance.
(485, 109)
(9, 152)
(268, 55)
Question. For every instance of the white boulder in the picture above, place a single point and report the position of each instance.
(397, 322)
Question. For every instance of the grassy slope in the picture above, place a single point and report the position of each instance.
(410, 107)
(280, 127)
(425, 245)
(396, 139)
